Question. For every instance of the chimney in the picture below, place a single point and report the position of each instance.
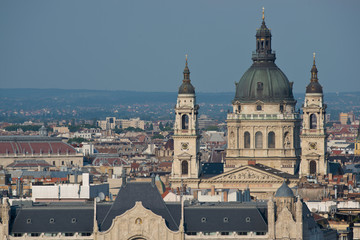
(195, 194)
(213, 190)
(123, 176)
(225, 196)
(252, 162)
(153, 179)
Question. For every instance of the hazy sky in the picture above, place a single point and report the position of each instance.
(141, 44)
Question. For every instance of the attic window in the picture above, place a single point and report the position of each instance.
(248, 219)
(260, 86)
(28, 221)
(226, 219)
(258, 107)
(52, 220)
(203, 219)
(73, 220)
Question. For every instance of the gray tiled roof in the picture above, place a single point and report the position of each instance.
(145, 192)
(68, 219)
(223, 217)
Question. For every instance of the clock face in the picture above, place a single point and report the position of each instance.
(312, 145)
(184, 146)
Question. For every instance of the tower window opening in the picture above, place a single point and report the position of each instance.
(267, 43)
(262, 44)
(184, 168)
(258, 140)
(313, 121)
(185, 121)
(312, 167)
(246, 140)
(271, 140)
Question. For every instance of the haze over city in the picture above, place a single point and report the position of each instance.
(141, 45)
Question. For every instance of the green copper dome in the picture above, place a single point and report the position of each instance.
(263, 81)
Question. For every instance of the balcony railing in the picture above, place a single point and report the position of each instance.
(286, 116)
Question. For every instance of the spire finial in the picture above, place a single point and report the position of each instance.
(186, 58)
(263, 13)
(314, 57)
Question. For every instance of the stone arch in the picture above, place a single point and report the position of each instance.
(313, 121)
(246, 140)
(258, 140)
(185, 121)
(312, 167)
(184, 167)
(271, 139)
(287, 142)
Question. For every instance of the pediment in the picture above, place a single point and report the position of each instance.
(247, 173)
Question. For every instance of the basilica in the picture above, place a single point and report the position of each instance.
(267, 141)
(267, 152)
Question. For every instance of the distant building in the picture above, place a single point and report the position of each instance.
(52, 150)
(205, 122)
(343, 118)
(112, 122)
(61, 130)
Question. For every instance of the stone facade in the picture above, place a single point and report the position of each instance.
(186, 137)
(138, 223)
(313, 136)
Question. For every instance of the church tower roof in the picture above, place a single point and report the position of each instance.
(314, 85)
(186, 87)
(264, 80)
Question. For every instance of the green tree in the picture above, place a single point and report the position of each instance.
(157, 136)
(212, 128)
(77, 140)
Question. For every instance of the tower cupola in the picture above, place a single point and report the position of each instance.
(263, 51)
(314, 85)
(186, 87)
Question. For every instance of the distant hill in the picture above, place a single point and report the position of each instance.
(97, 103)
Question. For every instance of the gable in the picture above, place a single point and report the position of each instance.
(247, 173)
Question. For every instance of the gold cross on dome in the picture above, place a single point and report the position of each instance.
(263, 13)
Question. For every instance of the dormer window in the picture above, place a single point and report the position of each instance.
(258, 107)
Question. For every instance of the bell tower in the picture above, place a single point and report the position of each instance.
(313, 136)
(186, 137)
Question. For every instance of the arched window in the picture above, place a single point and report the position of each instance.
(271, 140)
(185, 121)
(313, 121)
(184, 168)
(287, 143)
(313, 167)
(258, 140)
(246, 140)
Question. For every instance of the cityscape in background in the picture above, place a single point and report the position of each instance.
(262, 162)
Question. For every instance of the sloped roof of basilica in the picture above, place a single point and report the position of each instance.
(150, 198)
